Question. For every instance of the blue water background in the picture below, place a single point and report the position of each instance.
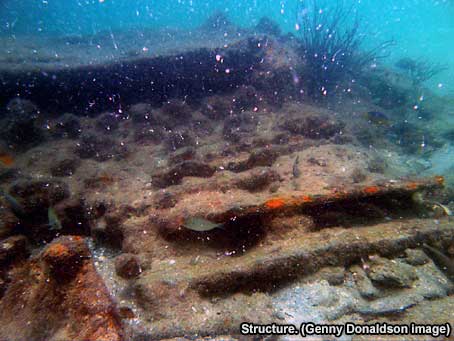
(422, 29)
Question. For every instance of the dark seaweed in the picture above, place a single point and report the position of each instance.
(331, 46)
(419, 71)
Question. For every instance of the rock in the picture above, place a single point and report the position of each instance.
(279, 315)
(178, 172)
(74, 216)
(317, 161)
(258, 180)
(334, 275)
(148, 125)
(323, 294)
(148, 133)
(36, 196)
(314, 127)
(432, 282)
(391, 273)
(358, 175)
(90, 146)
(217, 107)
(108, 122)
(274, 187)
(142, 113)
(280, 225)
(363, 283)
(277, 82)
(416, 257)
(21, 131)
(109, 228)
(126, 313)
(62, 284)
(182, 154)
(12, 249)
(127, 266)
(100, 148)
(432, 287)
(245, 98)
(393, 304)
(377, 164)
(268, 26)
(154, 296)
(176, 113)
(68, 126)
(201, 126)
(281, 138)
(165, 200)
(65, 167)
(178, 139)
(239, 124)
(261, 158)
(342, 139)
(64, 257)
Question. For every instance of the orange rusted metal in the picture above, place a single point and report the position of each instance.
(371, 189)
(275, 203)
(307, 198)
(412, 186)
(295, 202)
(57, 250)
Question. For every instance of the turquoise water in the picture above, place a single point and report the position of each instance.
(204, 153)
(421, 28)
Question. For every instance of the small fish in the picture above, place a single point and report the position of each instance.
(6, 159)
(54, 222)
(378, 118)
(296, 170)
(296, 173)
(441, 260)
(418, 198)
(445, 209)
(14, 204)
(201, 224)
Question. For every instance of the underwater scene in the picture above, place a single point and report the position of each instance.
(226, 170)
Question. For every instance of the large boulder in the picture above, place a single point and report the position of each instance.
(62, 284)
